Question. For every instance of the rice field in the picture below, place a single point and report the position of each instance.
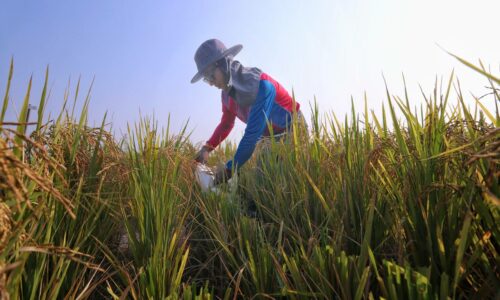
(402, 205)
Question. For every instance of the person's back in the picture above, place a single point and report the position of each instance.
(280, 116)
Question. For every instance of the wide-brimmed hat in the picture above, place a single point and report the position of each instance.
(209, 52)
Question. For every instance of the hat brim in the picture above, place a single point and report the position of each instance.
(233, 51)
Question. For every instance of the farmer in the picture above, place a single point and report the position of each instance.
(246, 93)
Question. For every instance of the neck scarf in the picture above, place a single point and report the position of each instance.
(243, 82)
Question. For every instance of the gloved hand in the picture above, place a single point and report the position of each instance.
(222, 174)
(202, 155)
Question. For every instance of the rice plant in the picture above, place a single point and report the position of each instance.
(402, 205)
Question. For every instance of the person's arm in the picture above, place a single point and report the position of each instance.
(222, 130)
(257, 122)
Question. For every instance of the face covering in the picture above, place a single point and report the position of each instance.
(242, 81)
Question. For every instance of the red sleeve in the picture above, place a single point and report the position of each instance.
(223, 129)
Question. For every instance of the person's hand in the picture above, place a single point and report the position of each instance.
(202, 155)
(222, 174)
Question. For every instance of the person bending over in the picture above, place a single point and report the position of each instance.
(247, 93)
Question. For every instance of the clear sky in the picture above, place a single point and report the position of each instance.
(141, 52)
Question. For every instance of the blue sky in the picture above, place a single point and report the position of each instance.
(141, 53)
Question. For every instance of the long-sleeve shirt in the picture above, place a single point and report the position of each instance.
(273, 104)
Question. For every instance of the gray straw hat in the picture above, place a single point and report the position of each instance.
(209, 52)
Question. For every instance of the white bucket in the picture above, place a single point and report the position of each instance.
(205, 177)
